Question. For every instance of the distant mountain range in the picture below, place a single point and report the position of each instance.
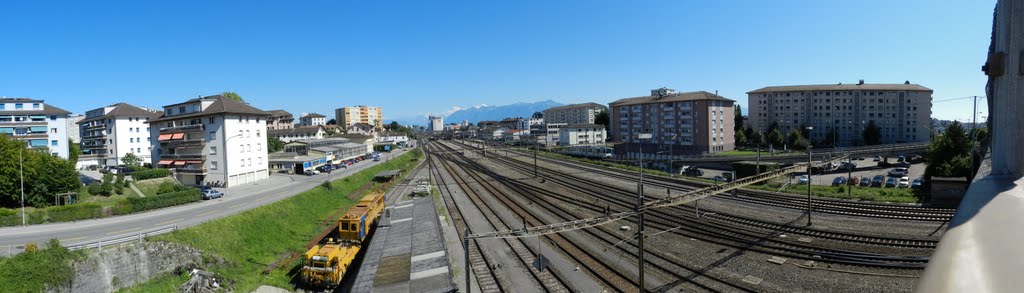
(485, 112)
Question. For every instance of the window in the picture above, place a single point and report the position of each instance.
(259, 146)
(247, 134)
(53, 142)
(53, 130)
(35, 105)
(213, 135)
(2, 106)
(211, 120)
(248, 148)
(250, 162)
(213, 150)
(257, 133)
(259, 161)
(19, 106)
(181, 109)
(213, 165)
(243, 162)
(53, 117)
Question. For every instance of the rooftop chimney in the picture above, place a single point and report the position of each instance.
(861, 82)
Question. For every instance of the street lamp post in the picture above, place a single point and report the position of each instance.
(640, 213)
(809, 180)
(21, 158)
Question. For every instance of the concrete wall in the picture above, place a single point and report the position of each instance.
(112, 268)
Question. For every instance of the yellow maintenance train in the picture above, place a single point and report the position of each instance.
(325, 265)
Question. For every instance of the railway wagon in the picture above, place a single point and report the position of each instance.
(596, 152)
(359, 220)
(325, 265)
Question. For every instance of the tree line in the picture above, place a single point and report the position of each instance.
(45, 175)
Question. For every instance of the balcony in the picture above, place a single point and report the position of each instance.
(95, 127)
(92, 156)
(89, 136)
(190, 170)
(182, 128)
(184, 143)
(195, 156)
(93, 146)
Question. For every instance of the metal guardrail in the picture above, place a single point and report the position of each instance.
(122, 238)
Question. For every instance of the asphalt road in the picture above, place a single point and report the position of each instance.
(236, 199)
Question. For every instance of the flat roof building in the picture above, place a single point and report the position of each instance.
(584, 113)
(348, 116)
(901, 111)
(679, 123)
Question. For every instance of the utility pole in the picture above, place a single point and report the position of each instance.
(535, 161)
(465, 244)
(21, 157)
(849, 176)
(809, 180)
(974, 131)
(640, 212)
(758, 172)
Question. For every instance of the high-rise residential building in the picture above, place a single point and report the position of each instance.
(112, 132)
(75, 133)
(901, 111)
(436, 124)
(280, 119)
(679, 123)
(584, 113)
(40, 125)
(312, 119)
(348, 116)
(211, 139)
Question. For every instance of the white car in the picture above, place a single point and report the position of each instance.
(804, 179)
(904, 182)
(899, 172)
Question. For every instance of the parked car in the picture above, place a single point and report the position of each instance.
(848, 166)
(904, 182)
(838, 181)
(804, 179)
(719, 179)
(878, 159)
(693, 171)
(312, 172)
(854, 181)
(916, 184)
(865, 181)
(899, 172)
(727, 176)
(904, 164)
(901, 159)
(859, 158)
(877, 181)
(212, 193)
(891, 182)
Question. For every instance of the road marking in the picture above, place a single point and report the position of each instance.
(171, 221)
(403, 206)
(399, 221)
(427, 256)
(206, 213)
(428, 273)
(238, 205)
(124, 231)
(73, 239)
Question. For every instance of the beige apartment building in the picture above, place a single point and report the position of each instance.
(574, 113)
(348, 116)
(280, 119)
(679, 123)
(901, 111)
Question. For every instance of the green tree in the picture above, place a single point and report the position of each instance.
(980, 134)
(775, 138)
(274, 144)
(74, 149)
(44, 174)
(830, 138)
(602, 119)
(872, 134)
(131, 160)
(332, 122)
(232, 95)
(394, 126)
(738, 118)
(796, 140)
(741, 138)
(537, 115)
(949, 154)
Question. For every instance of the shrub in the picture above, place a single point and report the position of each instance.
(168, 187)
(74, 212)
(151, 173)
(138, 204)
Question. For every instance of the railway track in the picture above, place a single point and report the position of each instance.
(850, 208)
(663, 264)
(548, 280)
(738, 229)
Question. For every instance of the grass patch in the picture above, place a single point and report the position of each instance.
(604, 163)
(901, 195)
(253, 239)
(149, 187)
(33, 271)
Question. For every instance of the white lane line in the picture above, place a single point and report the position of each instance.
(206, 213)
(124, 231)
(427, 256)
(428, 273)
(400, 220)
(403, 206)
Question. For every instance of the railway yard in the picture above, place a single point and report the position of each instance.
(747, 241)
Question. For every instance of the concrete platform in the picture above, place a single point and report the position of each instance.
(407, 254)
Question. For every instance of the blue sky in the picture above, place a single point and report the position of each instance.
(420, 57)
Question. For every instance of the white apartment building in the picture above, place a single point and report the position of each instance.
(348, 116)
(436, 124)
(574, 113)
(312, 119)
(393, 137)
(901, 111)
(109, 133)
(582, 134)
(211, 139)
(298, 133)
(552, 134)
(74, 133)
(39, 125)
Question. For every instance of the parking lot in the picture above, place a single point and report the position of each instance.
(865, 168)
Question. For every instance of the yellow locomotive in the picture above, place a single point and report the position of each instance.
(325, 265)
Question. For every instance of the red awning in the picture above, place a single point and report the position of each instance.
(164, 137)
(179, 163)
(194, 162)
(165, 162)
(178, 136)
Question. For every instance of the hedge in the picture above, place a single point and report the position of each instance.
(150, 174)
(74, 212)
(139, 204)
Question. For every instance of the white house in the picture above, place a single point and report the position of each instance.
(298, 133)
(581, 134)
(393, 137)
(312, 119)
(39, 125)
(112, 132)
(211, 139)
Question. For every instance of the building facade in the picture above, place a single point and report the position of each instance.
(901, 111)
(679, 123)
(41, 126)
(112, 132)
(280, 119)
(584, 113)
(312, 119)
(436, 124)
(348, 116)
(74, 132)
(298, 133)
(211, 139)
(582, 134)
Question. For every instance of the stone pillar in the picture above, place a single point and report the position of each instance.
(1006, 81)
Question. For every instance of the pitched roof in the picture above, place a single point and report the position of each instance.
(295, 130)
(677, 97)
(220, 105)
(314, 115)
(843, 87)
(278, 113)
(48, 109)
(122, 110)
(573, 106)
